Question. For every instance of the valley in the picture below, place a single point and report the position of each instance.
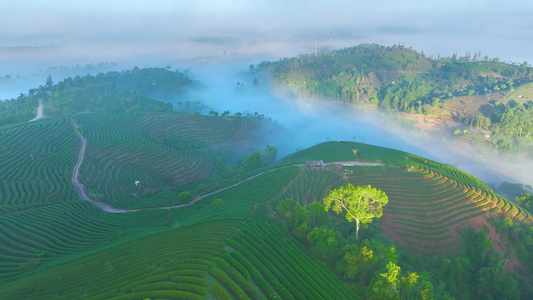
(117, 195)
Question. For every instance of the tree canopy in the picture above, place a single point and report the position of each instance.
(526, 201)
(362, 203)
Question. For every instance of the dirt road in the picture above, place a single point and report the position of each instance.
(39, 112)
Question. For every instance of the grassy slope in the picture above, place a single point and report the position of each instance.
(43, 222)
(190, 259)
(203, 250)
(525, 90)
(343, 151)
(427, 201)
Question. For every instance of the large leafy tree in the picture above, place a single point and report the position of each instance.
(362, 203)
(526, 201)
(253, 161)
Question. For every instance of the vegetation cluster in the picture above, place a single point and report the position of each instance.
(373, 263)
(210, 214)
(399, 79)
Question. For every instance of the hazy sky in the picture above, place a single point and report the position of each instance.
(112, 30)
(180, 33)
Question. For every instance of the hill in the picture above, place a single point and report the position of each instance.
(427, 200)
(113, 92)
(484, 94)
(245, 250)
(102, 201)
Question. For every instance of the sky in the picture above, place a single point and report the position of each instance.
(113, 30)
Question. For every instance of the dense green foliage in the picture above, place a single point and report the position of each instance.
(154, 82)
(113, 92)
(257, 159)
(368, 263)
(526, 201)
(359, 203)
(475, 272)
(21, 109)
(520, 236)
(95, 94)
(514, 129)
(372, 264)
(399, 79)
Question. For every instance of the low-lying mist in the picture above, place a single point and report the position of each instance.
(309, 121)
(312, 121)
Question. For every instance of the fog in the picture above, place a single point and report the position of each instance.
(311, 121)
(216, 40)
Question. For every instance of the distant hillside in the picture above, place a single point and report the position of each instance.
(399, 79)
(128, 91)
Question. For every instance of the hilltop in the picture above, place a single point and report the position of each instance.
(484, 96)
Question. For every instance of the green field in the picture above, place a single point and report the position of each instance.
(56, 246)
(343, 151)
(523, 93)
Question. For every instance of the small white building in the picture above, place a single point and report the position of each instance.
(314, 163)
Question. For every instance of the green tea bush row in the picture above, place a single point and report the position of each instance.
(247, 286)
(278, 266)
(225, 280)
(139, 277)
(460, 200)
(428, 238)
(237, 265)
(262, 266)
(170, 286)
(416, 243)
(254, 274)
(419, 232)
(33, 166)
(310, 271)
(160, 294)
(300, 281)
(220, 293)
(447, 221)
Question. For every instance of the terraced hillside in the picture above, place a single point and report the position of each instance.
(36, 161)
(42, 219)
(428, 202)
(132, 270)
(215, 259)
(237, 260)
(163, 151)
(56, 246)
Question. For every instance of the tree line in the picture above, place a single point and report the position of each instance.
(376, 268)
(114, 92)
(399, 79)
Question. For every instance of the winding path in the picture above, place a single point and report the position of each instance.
(39, 112)
(80, 189)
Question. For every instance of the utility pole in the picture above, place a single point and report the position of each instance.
(315, 49)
